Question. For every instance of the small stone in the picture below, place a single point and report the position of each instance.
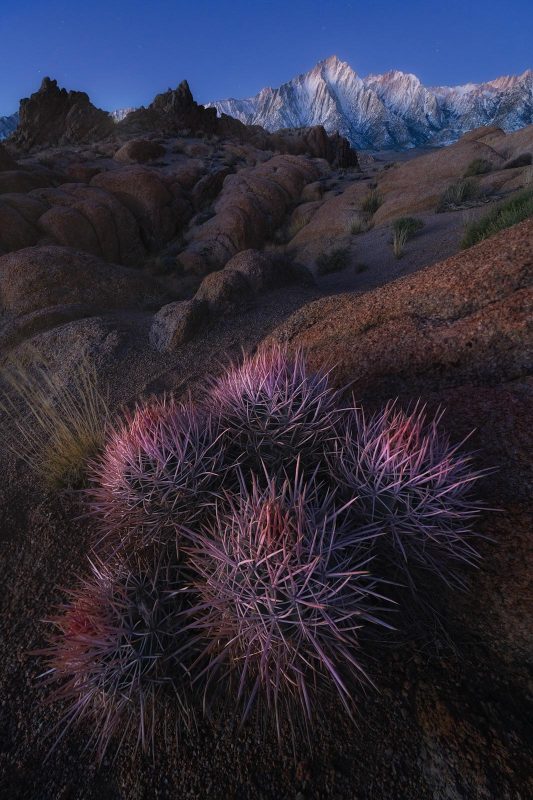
(177, 323)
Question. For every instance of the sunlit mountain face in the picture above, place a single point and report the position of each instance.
(393, 110)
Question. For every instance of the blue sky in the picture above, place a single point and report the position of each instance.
(123, 53)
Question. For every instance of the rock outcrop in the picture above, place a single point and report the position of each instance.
(464, 320)
(176, 110)
(37, 278)
(54, 116)
(250, 207)
(6, 161)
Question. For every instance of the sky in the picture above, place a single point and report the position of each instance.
(124, 52)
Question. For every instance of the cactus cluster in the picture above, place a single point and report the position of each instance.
(240, 546)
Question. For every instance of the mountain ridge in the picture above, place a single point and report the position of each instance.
(389, 110)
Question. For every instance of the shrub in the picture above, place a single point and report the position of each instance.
(372, 202)
(479, 166)
(282, 598)
(333, 261)
(413, 485)
(119, 644)
(520, 207)
(457, 194)
(58, 424)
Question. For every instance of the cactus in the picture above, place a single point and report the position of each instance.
(155, 475)
(119, 644)
(282, 598)
(410, 482)
(275, 413)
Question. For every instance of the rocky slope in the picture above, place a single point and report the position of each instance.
(386, 111)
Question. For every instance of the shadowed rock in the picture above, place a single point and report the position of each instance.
(54, 116)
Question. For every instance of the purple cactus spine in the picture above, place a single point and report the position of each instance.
(282, 598)
(275, 413)
(120, 644)
(155, 475)
(414, 485)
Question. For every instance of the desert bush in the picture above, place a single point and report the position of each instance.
(479, 166)
(520, 207)
(58, 424)
(372, 201)
(457, 194)
(333, 260)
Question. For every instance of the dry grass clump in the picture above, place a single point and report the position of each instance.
(504, 216)
(458, 194)
(57, 426)
(479, 166)
(403, 229)
(361, 224)
(372, 202)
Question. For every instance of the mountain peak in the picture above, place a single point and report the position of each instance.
(391, 110)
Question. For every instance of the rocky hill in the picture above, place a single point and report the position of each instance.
(386, 111)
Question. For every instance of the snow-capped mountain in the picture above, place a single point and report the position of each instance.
(8, 125)
(120, 113)
(391, 110)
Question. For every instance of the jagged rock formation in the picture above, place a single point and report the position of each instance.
(176, 110)
(170, 112)
(54, 116)
(390, 110)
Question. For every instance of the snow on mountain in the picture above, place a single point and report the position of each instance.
(8, 125)
(391, 110)
(119, 113)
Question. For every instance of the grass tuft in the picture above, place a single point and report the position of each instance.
(504, 216)
(360, 225)
(479, 166)
(333, 261)
(457, 194)
(403, 229)
(57, 426)
(372, 202)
